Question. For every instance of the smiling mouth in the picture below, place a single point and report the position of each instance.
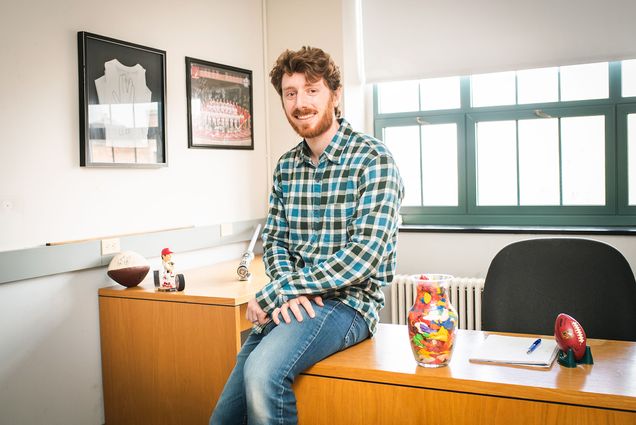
(304, 115)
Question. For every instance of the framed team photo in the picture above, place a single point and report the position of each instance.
(122, 90)
(219, 106)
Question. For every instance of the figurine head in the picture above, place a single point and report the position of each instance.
(166, 254)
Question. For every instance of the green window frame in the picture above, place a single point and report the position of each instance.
(615, 212)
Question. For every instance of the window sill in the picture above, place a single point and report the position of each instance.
(555, 230)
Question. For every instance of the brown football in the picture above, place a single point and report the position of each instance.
(128, 268)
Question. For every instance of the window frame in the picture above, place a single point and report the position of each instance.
(474, 118)
(457, 119)
(622, 110)
(615, 212)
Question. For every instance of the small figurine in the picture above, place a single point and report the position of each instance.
(168, 280)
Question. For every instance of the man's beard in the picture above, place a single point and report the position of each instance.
(325, 123)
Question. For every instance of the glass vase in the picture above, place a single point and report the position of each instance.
(432, 321)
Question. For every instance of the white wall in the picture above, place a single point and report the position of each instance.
(292, 24)
(50, 368)
(469, 254)
(49, 197)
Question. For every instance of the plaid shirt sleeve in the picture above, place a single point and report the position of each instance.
(375, 220)
(276, 234)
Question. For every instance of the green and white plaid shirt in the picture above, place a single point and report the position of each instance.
(332, 228)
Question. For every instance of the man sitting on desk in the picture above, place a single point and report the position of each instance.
(329, 245)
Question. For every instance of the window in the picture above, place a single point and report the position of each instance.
(550, 146)
(631, 157)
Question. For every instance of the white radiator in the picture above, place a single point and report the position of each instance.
(465, 296)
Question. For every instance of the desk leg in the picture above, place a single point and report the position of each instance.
(165, 362)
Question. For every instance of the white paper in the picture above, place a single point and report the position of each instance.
(514, 350)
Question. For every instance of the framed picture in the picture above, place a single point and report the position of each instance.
(219, 106)
(122, 88)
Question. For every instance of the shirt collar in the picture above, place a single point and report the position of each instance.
(334, 150)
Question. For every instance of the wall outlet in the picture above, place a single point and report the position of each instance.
(110, 246)
(226, 229)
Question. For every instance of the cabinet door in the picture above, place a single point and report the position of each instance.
(165, 362)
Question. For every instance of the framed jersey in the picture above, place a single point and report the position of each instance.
(122, 90)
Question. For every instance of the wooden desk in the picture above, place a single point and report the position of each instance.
(166, 356)
(378, 382)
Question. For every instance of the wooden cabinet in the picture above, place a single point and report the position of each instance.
(166, 356)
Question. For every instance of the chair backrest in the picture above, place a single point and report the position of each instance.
(530, 282)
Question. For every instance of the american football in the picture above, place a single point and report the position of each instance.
(128, 268)
(570, 334)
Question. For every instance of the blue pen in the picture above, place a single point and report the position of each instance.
(534, 346)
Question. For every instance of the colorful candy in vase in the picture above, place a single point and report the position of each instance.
(432, 321)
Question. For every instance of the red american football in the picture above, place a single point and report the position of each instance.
(570, 334)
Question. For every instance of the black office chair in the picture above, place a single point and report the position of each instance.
(530, 282)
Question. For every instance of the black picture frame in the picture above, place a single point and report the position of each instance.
(219, 97)
(122, 103)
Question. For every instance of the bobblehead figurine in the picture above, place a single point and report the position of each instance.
(167, 280)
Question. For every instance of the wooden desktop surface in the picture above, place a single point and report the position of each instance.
(216, 284)
(607, 385)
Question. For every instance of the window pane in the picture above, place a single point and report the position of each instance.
(439, 164)
(631, 158)
(493, 89)
(539, 162)
(590, 81)
(496, 163)
(628, 74)
(400, 96)
(404, 144)
(538, 85)
(583, 160)
(439, 93)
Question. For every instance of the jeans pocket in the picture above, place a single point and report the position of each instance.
(357, 332)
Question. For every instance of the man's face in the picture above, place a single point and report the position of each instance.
(309, 107)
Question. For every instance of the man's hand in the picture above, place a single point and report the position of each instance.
(255, 313)
(294, 306)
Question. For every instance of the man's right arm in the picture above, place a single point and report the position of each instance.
(278, 261)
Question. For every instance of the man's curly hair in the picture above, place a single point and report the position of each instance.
(311, 61)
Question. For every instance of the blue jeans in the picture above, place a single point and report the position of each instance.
(259, 389)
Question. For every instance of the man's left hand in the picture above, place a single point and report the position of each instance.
(294, 306)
